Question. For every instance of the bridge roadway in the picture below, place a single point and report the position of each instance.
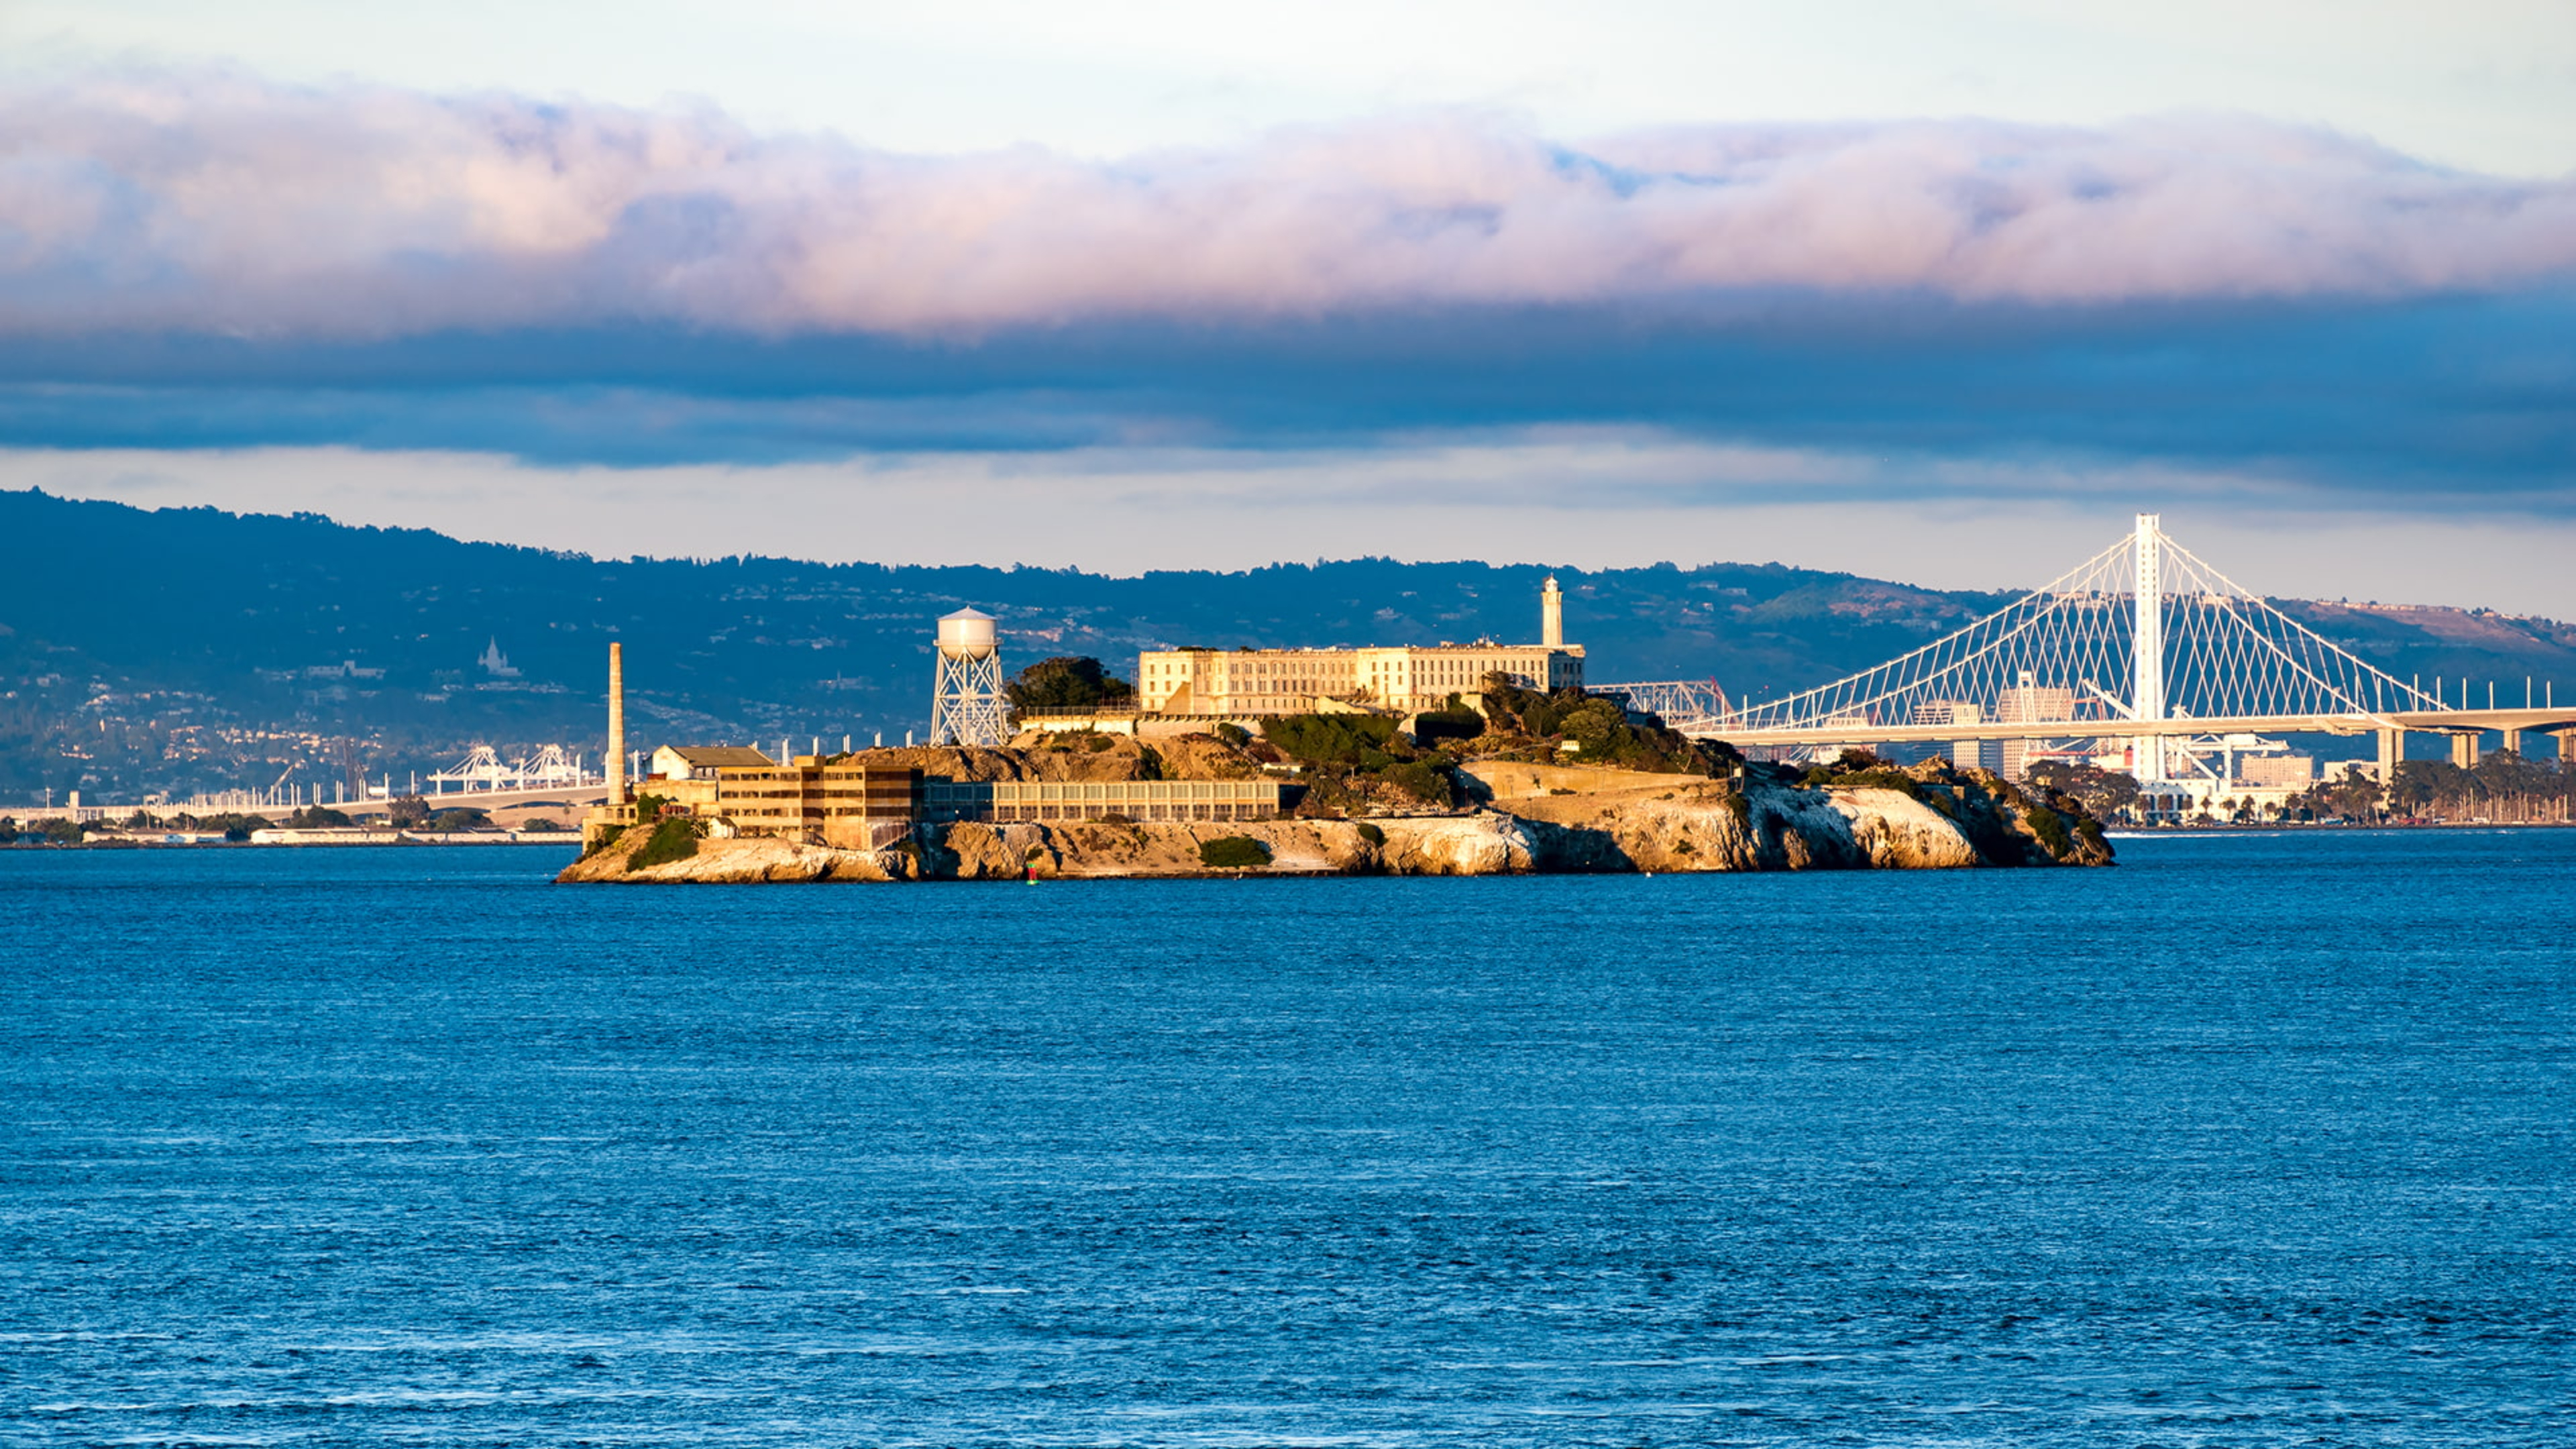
(2466, 727)
(569, 796)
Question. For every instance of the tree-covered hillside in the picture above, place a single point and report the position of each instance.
(186, 648)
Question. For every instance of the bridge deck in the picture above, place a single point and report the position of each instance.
(2446, 721)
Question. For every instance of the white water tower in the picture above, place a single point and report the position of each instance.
(966, 706)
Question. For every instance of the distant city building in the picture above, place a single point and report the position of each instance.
(1252, 683)
(1966, 754)
(494, 662)
(2295, 771)
(2029, 702)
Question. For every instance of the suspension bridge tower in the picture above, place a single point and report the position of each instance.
(966, 695)
(2147, 651)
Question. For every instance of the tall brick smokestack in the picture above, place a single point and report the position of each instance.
(616, 725)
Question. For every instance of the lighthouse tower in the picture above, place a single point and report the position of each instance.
(1551, 615)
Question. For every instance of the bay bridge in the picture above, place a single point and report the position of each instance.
(2142, 652)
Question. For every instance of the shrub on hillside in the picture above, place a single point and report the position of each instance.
(1420, 779)
(1068, 681)
(1332, 739)
(1455, 721)
(235, 827)
(671, 840)
(1233, 852)
(1599, 728)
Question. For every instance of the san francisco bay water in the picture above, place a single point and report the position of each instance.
(2250, 1140)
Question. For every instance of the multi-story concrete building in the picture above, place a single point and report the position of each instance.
(854, 806)
(1966, 754)
(836, 802)
(2295, 772)
(2026, 703)
(1250, 683)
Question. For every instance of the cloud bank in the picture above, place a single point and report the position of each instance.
(221, 204)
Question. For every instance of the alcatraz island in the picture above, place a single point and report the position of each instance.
(1454, 759)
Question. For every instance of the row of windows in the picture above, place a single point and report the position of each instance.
(1164, 810)
(771, 812)
(1022, 791)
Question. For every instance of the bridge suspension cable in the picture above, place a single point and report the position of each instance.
(2069, 651)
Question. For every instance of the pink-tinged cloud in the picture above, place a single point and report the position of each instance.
(218, 203)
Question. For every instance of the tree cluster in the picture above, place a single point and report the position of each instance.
(1600, 729)
(1357, 760)
(1068, 681)
(2506, 787)
(2103, 793)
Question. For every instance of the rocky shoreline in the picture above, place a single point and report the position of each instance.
(1530, 821)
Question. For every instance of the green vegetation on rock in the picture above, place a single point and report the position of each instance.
(1330, 739)
(671, 840)
(1067, 681)
(1233, 852)
(1360, 761)
(2101, 792)
(1528, 724)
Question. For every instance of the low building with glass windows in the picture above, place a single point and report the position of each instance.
(842, 801)
(1003, 802)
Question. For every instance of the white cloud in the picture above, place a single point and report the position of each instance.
(2488, 84)
(219, 203)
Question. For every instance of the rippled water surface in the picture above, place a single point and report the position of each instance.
(2252, 1140)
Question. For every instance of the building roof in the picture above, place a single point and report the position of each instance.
(709, 757)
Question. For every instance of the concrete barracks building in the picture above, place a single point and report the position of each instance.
(841, 802)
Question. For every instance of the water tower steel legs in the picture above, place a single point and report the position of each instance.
(967, 704)
(2147, 687)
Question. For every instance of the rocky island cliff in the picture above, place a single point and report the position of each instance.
(1488, 802)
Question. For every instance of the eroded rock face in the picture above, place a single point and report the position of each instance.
(1892, 832)
(741, 862)
(1703, 826)
(1485, 843)
(1930, 821)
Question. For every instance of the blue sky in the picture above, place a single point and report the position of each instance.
(1934, 292)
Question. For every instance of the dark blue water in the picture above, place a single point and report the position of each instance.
(2253, 1140)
